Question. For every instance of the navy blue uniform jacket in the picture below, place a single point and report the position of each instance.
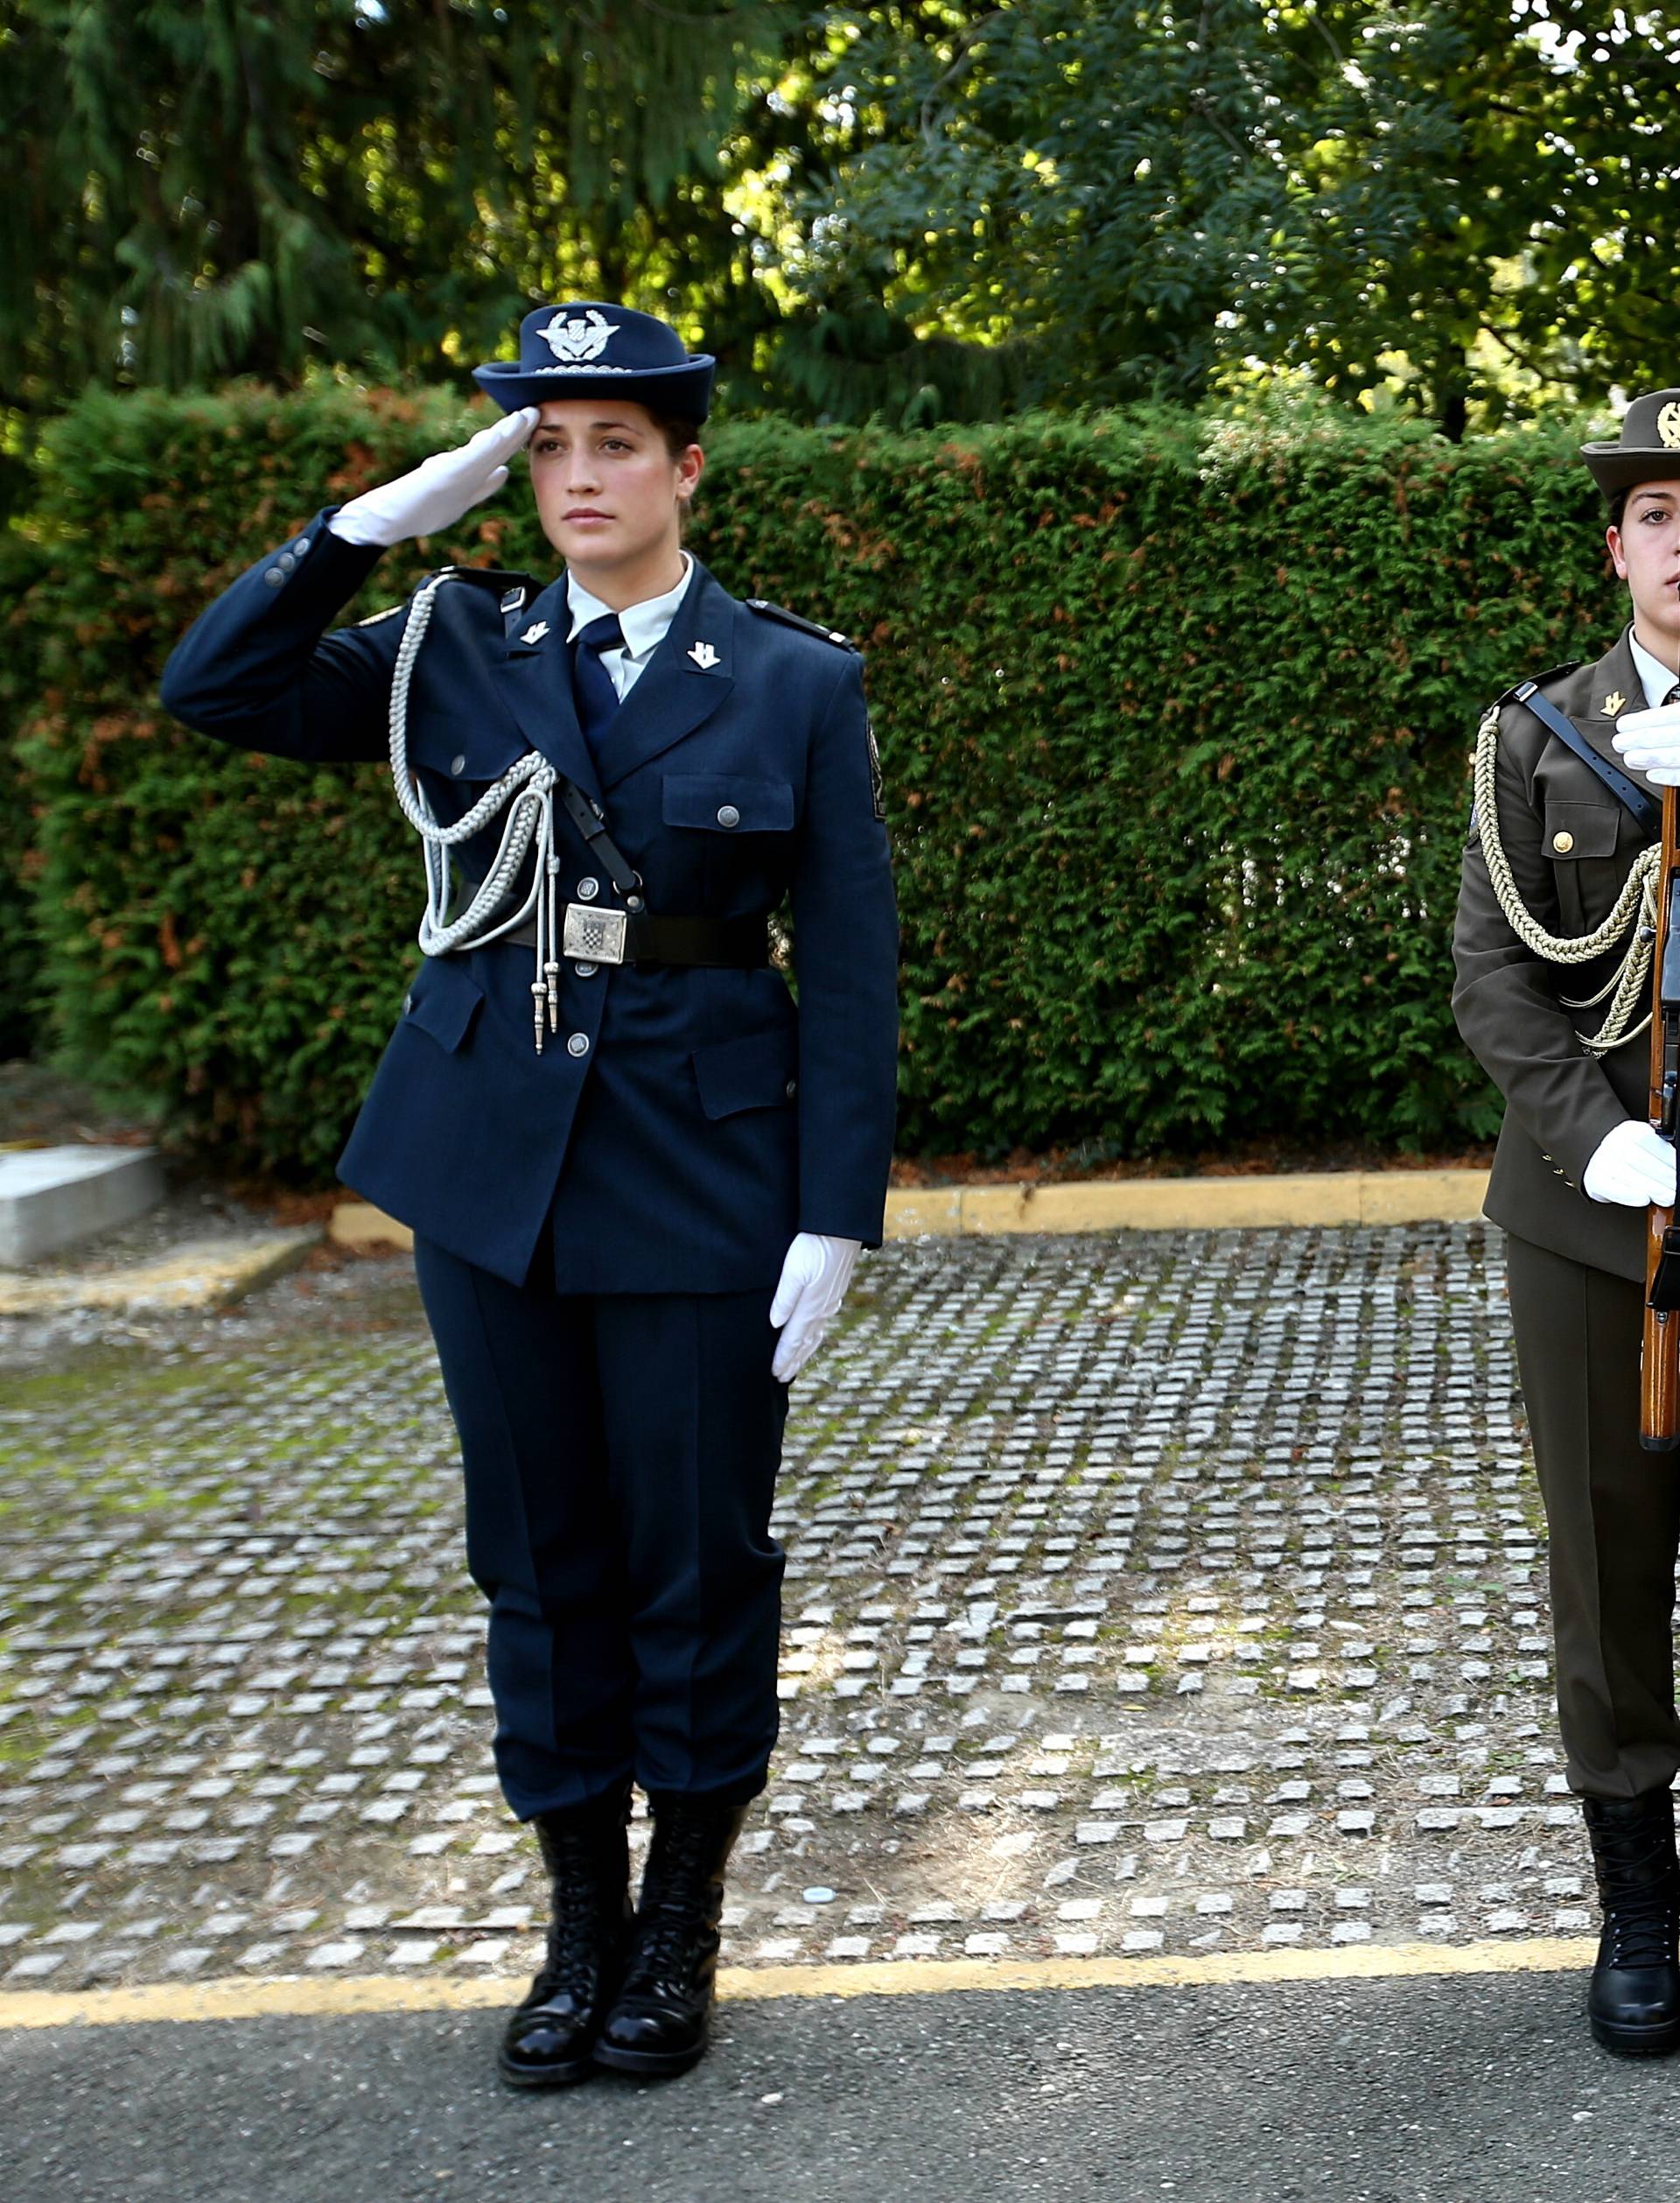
(683, 1122)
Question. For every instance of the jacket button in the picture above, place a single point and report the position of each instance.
(793, 1088)
(458, 765)
(286, 561)
(728, 816)
(408, 1003)
(579, 1044)
(585, 971)
(301, 546)
(1563, 843)
(274, 577)
(588, 889)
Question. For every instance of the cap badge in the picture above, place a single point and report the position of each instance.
(535, 633)
(1613, 704)
(703, 655)
(1668, 426)
(584, 337)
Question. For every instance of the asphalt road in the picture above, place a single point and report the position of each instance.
(1407, 2091)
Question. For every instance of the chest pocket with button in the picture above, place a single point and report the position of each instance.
(1581, 842)
(458, 755)
(727, 804)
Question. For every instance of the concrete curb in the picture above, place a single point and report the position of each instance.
(288, 1995)
(201, 1274)
(1328, 1197)
(50, 1198)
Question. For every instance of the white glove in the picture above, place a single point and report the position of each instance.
(1650, 740)
(439, 490)
(814, 1276)
(1632, 1166)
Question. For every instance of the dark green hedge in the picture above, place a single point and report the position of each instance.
(1174, 718)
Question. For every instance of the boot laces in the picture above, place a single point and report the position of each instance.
(572, 1959)
(1640, 1893)
(670, 1930)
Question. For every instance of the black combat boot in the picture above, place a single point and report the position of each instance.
(1633, 2004)
(548, 2039)
(658, 2025)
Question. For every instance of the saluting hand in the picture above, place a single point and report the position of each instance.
(814, 1276)
(439, 490)
(1632, 1166)
(1650, 742)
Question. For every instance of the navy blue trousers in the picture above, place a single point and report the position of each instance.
(620, 1454)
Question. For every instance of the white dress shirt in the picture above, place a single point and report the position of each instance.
(1657, 677)
(644, 626)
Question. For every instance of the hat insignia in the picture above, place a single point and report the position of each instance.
(582, 337)
(1668, 426)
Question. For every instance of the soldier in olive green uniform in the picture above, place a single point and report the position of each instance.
(1552, 951)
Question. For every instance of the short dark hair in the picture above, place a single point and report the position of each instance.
(678, 431)
(1618, 505)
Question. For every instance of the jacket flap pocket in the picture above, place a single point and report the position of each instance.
(1582, 830)
(756, 1072)
(482, 751)
(442, 1001)
(728, 803)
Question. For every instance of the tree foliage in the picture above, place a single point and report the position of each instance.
(917, 210)
(251, 186)
(1463, 203)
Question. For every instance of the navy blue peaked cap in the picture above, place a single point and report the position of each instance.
(589, 349)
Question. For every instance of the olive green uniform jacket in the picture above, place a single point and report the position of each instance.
(1569, 845)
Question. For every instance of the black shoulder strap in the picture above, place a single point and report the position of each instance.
(769, 611)
(1647, 812)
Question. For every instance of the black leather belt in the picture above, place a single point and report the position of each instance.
(741, 944)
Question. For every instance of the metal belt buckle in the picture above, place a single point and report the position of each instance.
(594, 935)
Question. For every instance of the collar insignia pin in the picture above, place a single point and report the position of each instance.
(535, 633)
(1613, 704)
(705, 657)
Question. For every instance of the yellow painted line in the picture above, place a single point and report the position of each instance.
(1326, 1198)
(297, 1999)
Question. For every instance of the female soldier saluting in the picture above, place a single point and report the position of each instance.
(625, 1156)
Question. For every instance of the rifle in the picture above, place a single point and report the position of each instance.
(1659, 1369)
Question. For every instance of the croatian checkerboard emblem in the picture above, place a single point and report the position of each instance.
(536, 633)
(582, 337)
(703, 655)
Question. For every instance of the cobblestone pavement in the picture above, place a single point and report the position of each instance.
(1179, 1592)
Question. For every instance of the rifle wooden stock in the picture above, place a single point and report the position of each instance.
(1659, 1368)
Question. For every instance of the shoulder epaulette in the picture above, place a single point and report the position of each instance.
(806, 627)
(1533, 681)
(512, 589)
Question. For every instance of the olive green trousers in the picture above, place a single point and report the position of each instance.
(1613, 1515)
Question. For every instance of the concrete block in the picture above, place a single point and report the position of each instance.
(198, 1274)
(358, 1224)
(50, 1197)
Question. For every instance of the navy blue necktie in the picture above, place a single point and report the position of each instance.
(598, 700)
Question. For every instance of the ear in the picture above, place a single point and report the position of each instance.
(1612, 543)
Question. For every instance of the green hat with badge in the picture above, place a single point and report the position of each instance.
(1647, 451)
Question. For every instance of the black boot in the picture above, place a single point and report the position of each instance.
(658, 2025)
(1633, 2004)
(548, 2039)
